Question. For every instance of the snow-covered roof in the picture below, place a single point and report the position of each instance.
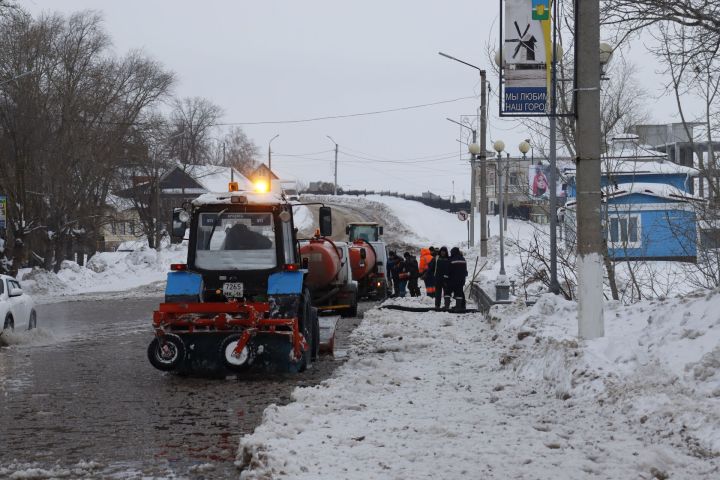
(618, 166)
(627, 146)
(253, 198)
(118, 203)
(661, 190)
(215, 179)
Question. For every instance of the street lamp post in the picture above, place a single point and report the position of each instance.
(336, 156)
(474, 149)
(25, 74)
(483, 161)
(270, 152)
(502, 288)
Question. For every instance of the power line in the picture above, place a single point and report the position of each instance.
(400, 162)
(350, 115)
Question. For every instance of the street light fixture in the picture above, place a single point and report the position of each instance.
(270, 152)
(336, 156)
(482, 154)
(25, 74)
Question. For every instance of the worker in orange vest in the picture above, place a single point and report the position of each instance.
(427, 255)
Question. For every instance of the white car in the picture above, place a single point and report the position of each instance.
(16, 307)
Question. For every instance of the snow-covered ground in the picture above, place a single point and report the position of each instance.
(104, 272)
(511, 395)
(438, 395)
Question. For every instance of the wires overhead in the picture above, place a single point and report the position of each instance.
(350, 115)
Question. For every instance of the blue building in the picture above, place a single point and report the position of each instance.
(649, 208)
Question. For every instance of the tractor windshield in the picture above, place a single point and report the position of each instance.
(235, 241)
(363, 232)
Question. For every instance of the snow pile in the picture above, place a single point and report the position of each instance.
(303, 218)
(658, 363)
(433, 395)
(104, 272)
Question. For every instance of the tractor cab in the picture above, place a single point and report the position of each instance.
(237, 240)
(370, 232)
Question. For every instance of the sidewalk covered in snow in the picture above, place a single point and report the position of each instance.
(440, 395)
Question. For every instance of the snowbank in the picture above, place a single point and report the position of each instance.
(437, 395)
(658, 363)
(104, 272)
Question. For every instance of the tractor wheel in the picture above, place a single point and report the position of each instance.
(306, 328)
(231, 362)
(32, 323)
(9, 323)
(168, 353)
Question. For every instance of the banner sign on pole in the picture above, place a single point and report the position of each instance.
(3, 211)
(526, 53)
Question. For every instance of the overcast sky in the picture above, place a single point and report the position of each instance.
(269, 60)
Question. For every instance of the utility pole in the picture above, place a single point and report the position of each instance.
(474, 149)
(483, 163)
(483, 157)
(589, 232)
(270, 152)
(336, 156)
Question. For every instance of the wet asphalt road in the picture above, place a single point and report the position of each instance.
(88, 394)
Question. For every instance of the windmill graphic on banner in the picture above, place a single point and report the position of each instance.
(525, 55)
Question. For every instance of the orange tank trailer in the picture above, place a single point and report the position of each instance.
(361, 264)
(323, 262)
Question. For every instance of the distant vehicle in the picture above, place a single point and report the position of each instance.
(290, 190)
(368, 259)
(16, 307)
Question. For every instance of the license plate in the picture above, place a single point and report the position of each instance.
(233, 289)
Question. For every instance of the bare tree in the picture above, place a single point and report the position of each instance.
(238, 151)
(193, 120)
(64, 127)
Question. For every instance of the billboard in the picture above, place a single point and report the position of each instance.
(527, 50)
(539, 181)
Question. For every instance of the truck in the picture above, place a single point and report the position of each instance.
(368, 258)
(330, 278)
(290, 190)
(242, 298)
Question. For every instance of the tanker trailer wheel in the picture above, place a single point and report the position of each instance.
(352, 311)
(168, 353)
(235, 363)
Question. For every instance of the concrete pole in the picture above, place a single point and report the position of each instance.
(483, 163)
(473, 195)
(336, 155)
(589, 232)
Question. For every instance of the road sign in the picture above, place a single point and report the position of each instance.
(462, 215)
(3, 211)
(525, 90)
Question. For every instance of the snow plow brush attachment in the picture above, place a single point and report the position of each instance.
(230, 336)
